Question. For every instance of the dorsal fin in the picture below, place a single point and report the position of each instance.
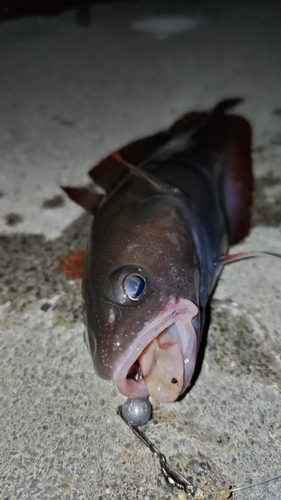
(86, 198)
(187, 122)
(213, 130)
(108, 173)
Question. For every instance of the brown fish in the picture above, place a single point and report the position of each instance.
(166, 209)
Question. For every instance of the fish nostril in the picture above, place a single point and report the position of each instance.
(174, 380)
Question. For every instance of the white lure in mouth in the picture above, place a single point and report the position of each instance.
(162, 365)
(161, 360)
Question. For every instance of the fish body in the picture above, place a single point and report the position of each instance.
(173, 204)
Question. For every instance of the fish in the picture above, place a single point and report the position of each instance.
(166, 209)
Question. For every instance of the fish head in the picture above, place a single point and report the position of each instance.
(140, 293)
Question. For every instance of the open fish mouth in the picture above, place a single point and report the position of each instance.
(161, 360)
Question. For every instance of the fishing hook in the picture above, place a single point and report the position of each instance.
(172, 477)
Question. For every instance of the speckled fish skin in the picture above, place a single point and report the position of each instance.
(135, 228)
(173, 235)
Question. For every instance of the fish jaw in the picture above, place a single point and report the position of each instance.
(161, 360)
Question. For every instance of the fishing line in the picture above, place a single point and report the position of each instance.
(174, 478)
(240, 488)
(230, 303)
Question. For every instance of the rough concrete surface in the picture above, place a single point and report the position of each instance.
(69, 94)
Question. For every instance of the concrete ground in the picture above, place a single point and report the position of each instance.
(69, 94)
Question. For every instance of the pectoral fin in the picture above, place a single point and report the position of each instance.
(86, 198)
(236, 257)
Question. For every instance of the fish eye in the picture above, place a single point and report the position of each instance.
(126, 285)
(134, 286)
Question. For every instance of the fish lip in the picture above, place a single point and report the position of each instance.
(177, 310)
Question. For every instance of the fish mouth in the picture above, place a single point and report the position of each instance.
(161, 360)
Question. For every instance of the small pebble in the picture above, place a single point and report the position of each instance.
(181, 496)
(137, 411)
(224, 493)
(45, 307)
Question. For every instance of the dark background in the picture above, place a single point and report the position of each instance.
(19, 8)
